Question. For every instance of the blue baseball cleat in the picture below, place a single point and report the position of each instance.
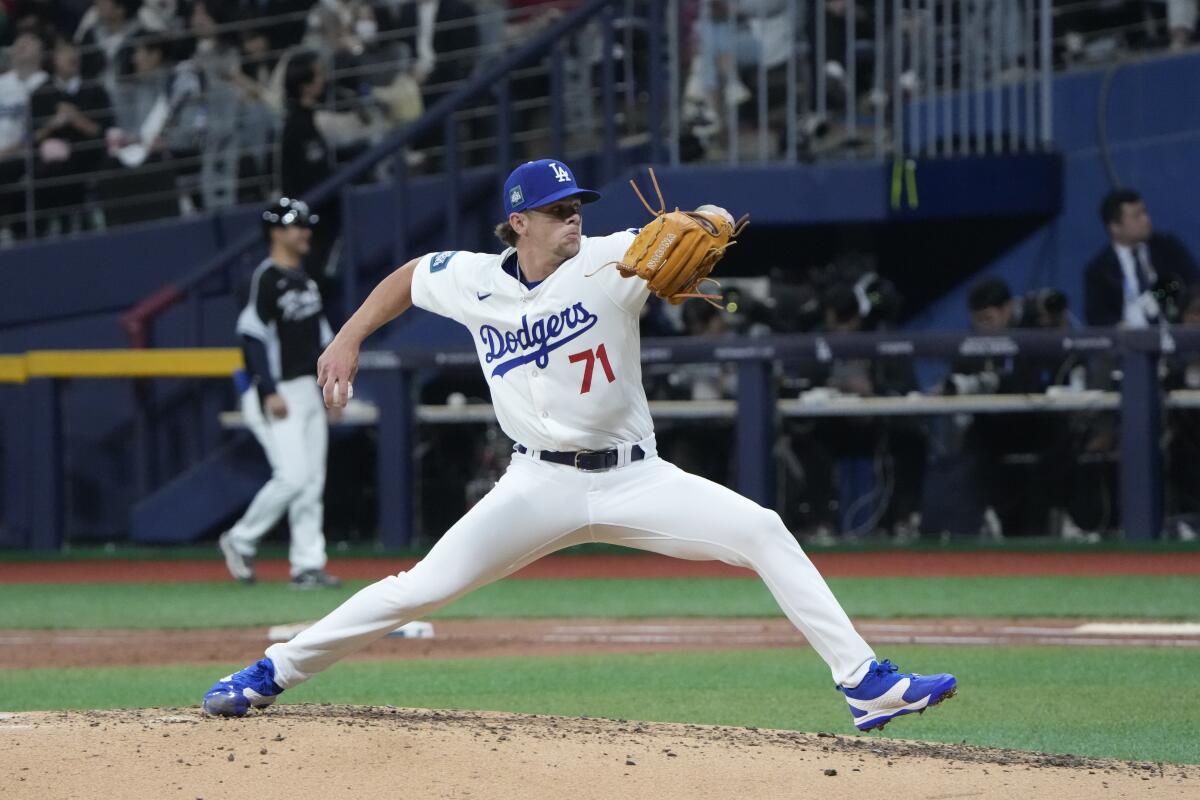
(886, 693)
(234, 695)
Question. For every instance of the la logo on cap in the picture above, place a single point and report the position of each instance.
(560, 173)
(516, 196)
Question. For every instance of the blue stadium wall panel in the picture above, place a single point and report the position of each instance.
(846, 193)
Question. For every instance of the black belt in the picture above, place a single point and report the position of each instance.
(586, 460)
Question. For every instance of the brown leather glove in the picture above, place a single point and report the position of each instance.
(677, 251)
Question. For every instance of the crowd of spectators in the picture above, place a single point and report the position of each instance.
(130, 110)
(151, 108)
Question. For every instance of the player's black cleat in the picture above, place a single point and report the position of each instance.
(315, 579)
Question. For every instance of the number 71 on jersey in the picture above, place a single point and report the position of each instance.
(590, 358)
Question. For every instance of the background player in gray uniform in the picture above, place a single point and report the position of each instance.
(282, 330)
(556, 333)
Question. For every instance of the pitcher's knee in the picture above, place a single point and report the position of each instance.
(418, 594)
(763, 533)
(774, 522)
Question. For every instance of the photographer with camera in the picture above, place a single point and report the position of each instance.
(861, 473)
(1022, 465)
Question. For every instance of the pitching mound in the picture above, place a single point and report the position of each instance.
(366, 751)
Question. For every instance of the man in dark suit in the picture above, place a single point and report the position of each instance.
(1141, 277)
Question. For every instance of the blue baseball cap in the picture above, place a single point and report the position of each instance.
(537, 183)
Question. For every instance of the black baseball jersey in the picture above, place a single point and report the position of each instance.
(282, 314)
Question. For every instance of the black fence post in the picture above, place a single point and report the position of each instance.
(395, 472)
(756, 432)
(45, 462)
(1141, 457)
(18, 443)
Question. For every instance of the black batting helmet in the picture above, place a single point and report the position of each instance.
(286, 212)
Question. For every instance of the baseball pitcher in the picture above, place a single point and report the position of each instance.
(554, 318)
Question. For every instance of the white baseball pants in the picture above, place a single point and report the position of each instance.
(295, 446)
(538, 507)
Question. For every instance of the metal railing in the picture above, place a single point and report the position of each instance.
(788, 80)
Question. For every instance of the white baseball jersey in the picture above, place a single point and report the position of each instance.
(563, 359)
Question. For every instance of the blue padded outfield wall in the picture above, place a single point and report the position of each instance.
(69, 294)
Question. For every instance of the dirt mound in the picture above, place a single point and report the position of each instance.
(368, 751)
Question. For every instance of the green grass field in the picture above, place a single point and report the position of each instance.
(191, 605)
(1118, 702)
(1122, 703)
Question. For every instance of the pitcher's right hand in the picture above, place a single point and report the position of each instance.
(336, 369)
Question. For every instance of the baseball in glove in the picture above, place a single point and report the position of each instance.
(677, 251)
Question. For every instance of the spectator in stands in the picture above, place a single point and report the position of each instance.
(71, 116)
(151, 95)
(723, 45)
(1140, 277)
(51, 18)
(162, 16)
(723, 76)
(156, 106)
(837, 59)
(440, 38)
(345, 34)
(442, 43)
(530, 92)
(214, 59)
(1181, 22)
(259, 111)
(257, 62)
(283, 21)
(305, 157)
(101, 36)
(16, 87)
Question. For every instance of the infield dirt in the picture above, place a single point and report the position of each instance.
(488, 638)
(368, 752)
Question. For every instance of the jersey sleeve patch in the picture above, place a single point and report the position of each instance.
(439, 261)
